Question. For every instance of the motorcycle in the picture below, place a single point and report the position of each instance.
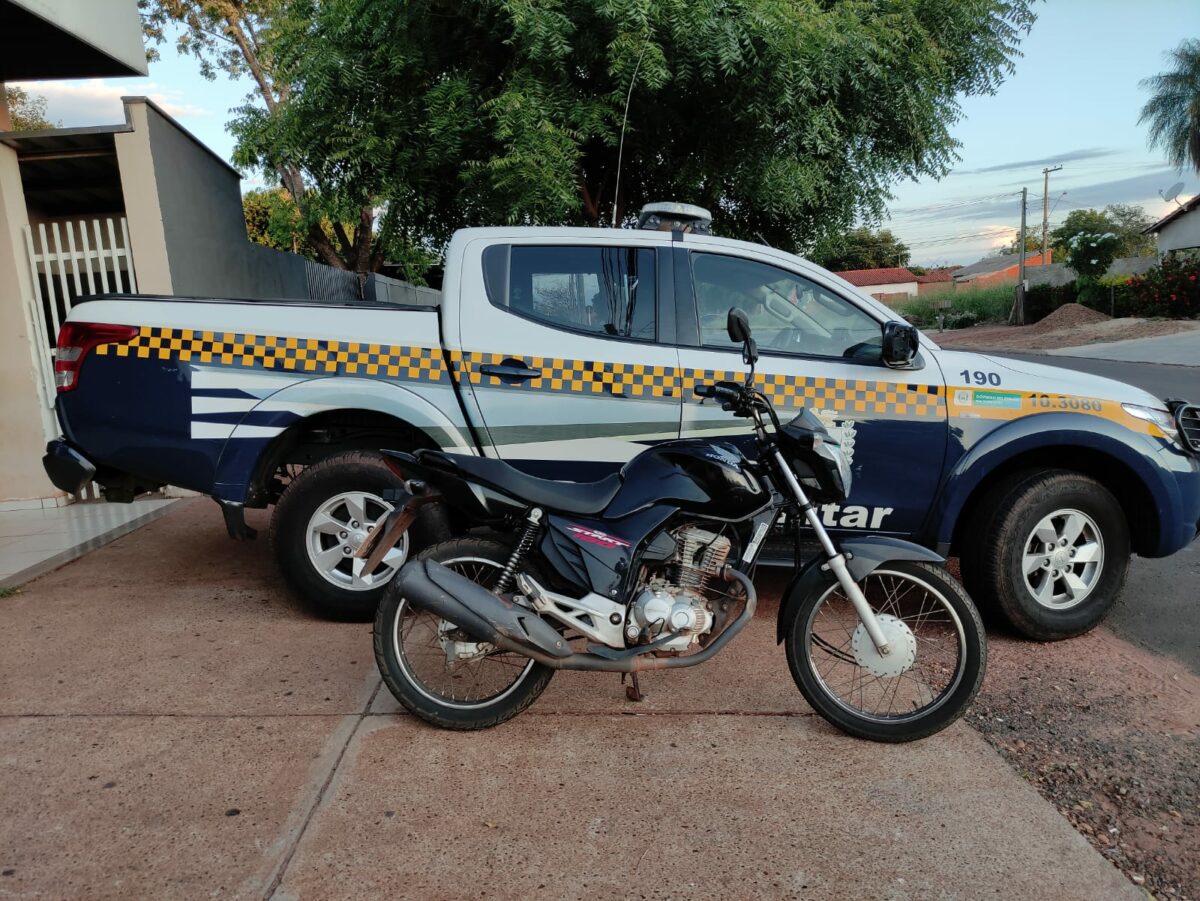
(650, 569)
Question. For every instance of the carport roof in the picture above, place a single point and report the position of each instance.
(35, 48)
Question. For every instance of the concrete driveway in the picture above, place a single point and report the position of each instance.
(172, 725)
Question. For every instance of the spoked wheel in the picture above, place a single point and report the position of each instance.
(440, 673)
(934, 668)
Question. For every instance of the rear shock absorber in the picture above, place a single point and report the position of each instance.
(533, 524)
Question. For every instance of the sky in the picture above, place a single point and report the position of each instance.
(1073, 101)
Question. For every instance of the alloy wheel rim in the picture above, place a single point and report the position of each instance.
(1062, 559)
(338, 528)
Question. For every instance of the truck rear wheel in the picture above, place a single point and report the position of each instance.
(324, 515)
(1050, 552)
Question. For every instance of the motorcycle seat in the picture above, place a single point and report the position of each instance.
(582, 498)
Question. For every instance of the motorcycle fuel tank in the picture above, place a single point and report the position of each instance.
(707, 478)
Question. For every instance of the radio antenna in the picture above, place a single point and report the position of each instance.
(624, 122)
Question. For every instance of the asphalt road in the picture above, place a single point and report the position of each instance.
(1160, 607)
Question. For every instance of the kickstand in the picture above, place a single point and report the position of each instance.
(632, 692)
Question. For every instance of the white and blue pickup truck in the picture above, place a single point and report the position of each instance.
(565, 351)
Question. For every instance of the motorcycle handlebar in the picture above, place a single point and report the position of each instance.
(720, 392)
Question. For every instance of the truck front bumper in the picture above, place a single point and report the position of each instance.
(69, 470)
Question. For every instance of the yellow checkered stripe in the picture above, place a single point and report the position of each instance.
(574, 376)
(644, 381)
(281, 353)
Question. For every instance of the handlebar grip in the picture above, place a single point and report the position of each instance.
(727, 394)
(704, 390)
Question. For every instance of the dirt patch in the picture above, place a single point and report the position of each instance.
(1109, 734)
(1046, 334)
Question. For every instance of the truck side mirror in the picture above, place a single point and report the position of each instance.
(900, 343)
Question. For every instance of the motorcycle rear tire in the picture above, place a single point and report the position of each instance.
(405, 683)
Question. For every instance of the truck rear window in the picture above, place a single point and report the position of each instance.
(608, 291)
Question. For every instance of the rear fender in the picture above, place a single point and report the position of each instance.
(455, 490)
(270, 417)
(864, 556)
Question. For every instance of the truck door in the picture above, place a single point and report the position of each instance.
(570, 367)
(819, 349)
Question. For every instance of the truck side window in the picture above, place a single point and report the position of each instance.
(605, 291)
(788, 313)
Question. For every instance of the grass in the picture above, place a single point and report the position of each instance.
(7, 592)
(973, 306)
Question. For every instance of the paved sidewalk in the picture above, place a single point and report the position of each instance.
(35, 541)
(172, 725)
(1181, 349)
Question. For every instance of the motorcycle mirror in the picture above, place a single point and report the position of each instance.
(738, 326)
(900, 343)
(750, 353)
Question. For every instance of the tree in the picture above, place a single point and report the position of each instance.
(862, 248)
(234, 37)
(1091, 253)
(1124, 220)
(273, 220)
(788, 120)
(1173, 110)
(27, 111)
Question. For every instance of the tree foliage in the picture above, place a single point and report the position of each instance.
(787, 119)
(862, 248)
(1124, 220)
(1173, 110)
(27, 111)
(236, 37)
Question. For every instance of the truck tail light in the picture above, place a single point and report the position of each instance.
(75, 339)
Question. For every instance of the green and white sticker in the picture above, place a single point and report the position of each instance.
(1002, 400)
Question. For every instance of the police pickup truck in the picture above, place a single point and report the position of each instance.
(565, 351)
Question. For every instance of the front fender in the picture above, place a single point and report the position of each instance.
(864, 556)
(1137, 452)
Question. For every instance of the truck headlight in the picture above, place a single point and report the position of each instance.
(1161, 418)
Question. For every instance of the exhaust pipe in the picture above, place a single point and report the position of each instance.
(484, 616)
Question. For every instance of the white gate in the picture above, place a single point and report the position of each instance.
(67, 261)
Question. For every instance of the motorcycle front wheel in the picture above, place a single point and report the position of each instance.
(441, 674)
(934, 668)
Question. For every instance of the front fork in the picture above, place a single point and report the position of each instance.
(837, 560)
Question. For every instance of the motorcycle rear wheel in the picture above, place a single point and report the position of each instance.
(938, 643)
(485, 686)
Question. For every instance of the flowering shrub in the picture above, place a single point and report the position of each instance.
(1091, 254)
(1171, 289)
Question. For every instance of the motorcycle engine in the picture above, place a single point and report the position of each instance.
(674, 597)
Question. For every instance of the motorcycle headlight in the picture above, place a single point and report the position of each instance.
(1161, 418)
(831, 451)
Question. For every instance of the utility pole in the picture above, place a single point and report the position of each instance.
(1018, 310)
(1046, 208)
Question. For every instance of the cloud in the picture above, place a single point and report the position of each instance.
(1087, 153)
(97, 101)
(1138, 189)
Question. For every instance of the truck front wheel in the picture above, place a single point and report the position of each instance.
(325, 513)
(1050, 552)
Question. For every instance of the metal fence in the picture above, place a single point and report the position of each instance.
(339, 286)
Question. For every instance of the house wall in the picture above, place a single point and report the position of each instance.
(25, 418)
(204, 228)
(926, 288)
(906, 289)
(1180, 234)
